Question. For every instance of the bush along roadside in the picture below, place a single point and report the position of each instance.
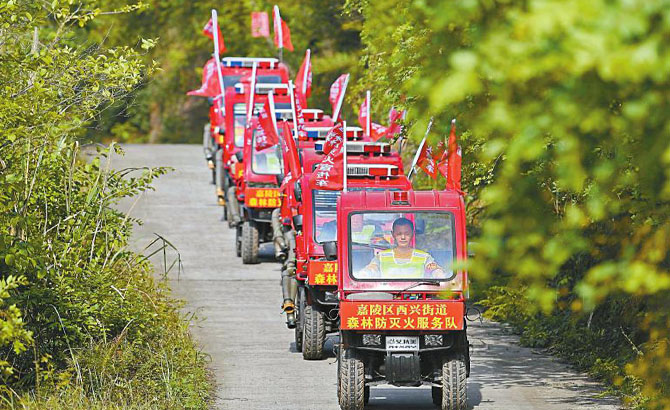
(83, 322)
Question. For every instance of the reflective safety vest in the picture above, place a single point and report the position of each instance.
(415, 267)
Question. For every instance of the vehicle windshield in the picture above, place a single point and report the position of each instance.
(266, 161)
(325, 212)
(240, 118)
(230, 81)
(268, 79)
(407, 246)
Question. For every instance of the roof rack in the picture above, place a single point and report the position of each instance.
(248, 62)
(312, 114)
(372, 170)
(264, 88)
(361, 147)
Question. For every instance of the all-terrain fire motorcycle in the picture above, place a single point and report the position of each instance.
(228, 123)
(402, 305)
(255, 196)
(371, 166)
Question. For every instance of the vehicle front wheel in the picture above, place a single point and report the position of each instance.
(300, 315)
(238, 241)
(454, 391)
(249, 243)
(314, 334)
(351, 382)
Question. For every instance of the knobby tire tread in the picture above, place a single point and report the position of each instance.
(314, 334)
(249, 243)
(352, 384)
(454, 384)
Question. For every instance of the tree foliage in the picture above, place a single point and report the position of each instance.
(161, 111)
(567, 104)
(70, 289)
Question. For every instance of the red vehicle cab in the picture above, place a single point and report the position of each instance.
(402, 305)
(257, 191)
(370, 167)
(227, 123)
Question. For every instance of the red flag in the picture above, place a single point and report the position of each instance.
(208, 30)
(299, 117)
(394, 127)
(328, 175)
(260, 24)
(268, 137)
(377, 131)
(303, 80)
(282, 32)
(290, 152)
(334, 139)
(336, 97)
(454, 157)
(210, 82)
(426, 161)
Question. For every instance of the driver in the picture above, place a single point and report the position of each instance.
(403, 261)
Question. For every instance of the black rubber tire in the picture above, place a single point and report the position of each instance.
(436, 392)
(300, 316)
(351, 382)
(454, 383)
(249, 243)
(225, 212)
(238, 241)
(314, 334)
(366, 395)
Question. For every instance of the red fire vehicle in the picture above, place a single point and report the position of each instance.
(256, 193)
(224, 136)
(370, 167)
(402, 306)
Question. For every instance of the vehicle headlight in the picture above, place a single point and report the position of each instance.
(372, 340)
(433, 340)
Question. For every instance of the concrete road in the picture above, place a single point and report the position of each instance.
(252, 353)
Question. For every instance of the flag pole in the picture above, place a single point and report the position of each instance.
(215, 35)
(271, 103)
(336, 114)
(252, 95)
(416, 156)
(295, 111)
(304, 75)
(279, 33)
(344, 158)
(367, 121)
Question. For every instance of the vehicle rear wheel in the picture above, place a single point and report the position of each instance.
(351, 382)
(238, 241)
(454, 391)
(314, 334)
(299, 328)
(249, 243)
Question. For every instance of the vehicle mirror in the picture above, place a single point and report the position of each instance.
(210, 101)
(280, 178)
(297, 222)
(222, 131)
(239, 156)
(330, 250)
(420, 226)
(297, 191)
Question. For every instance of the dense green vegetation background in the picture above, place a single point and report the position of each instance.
(563, 107)
(83, 322)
